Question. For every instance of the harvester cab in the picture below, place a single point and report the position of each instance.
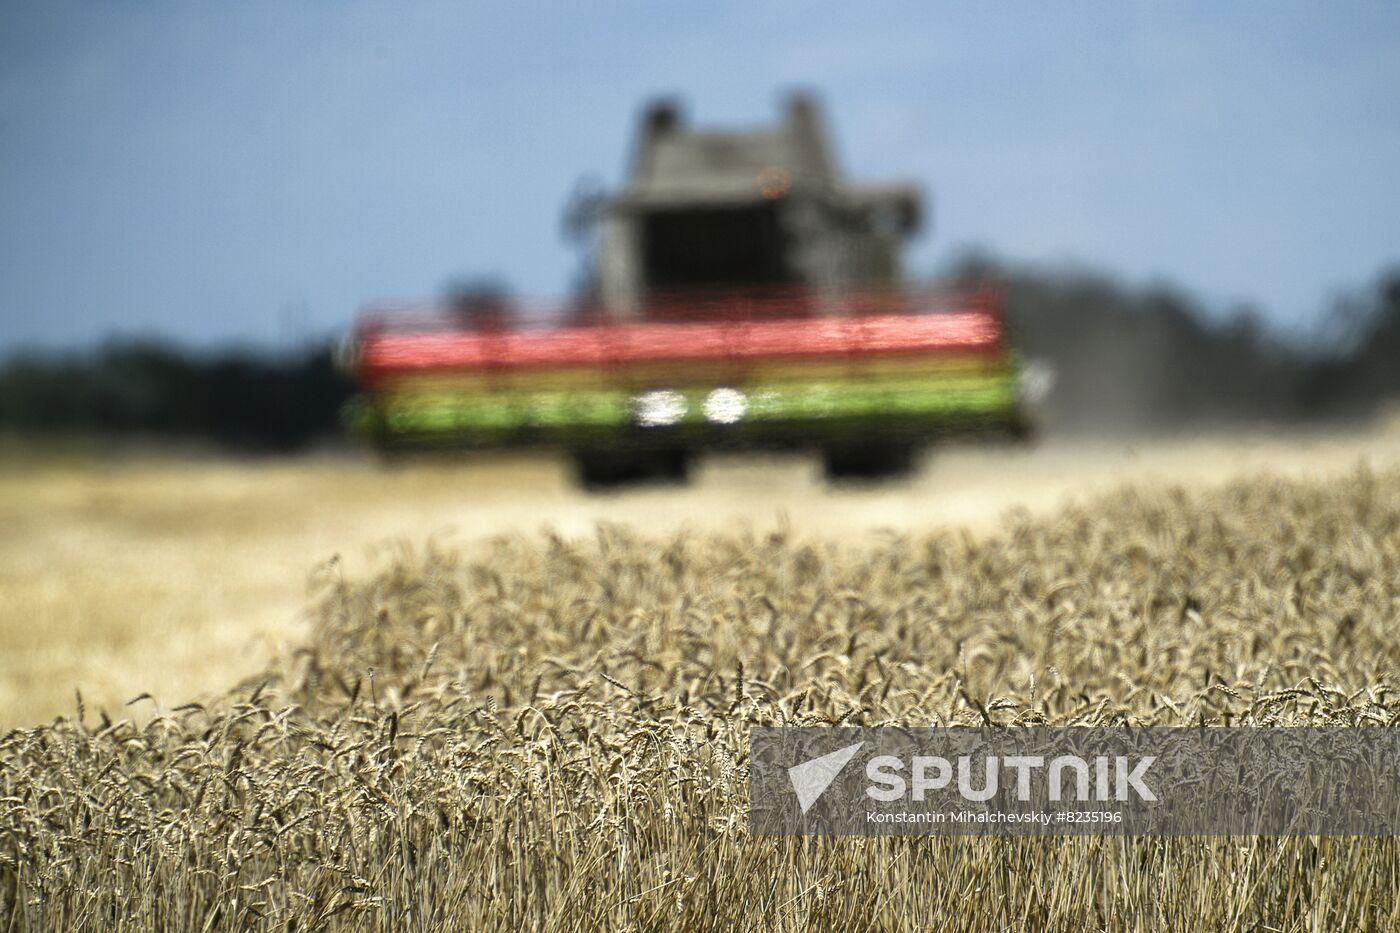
(731, 214)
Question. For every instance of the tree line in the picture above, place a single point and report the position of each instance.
(1152, 357)
(1124, 357)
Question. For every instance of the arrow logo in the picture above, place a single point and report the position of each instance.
(811, 778)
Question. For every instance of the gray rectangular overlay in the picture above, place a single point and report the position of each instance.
(1075, 781)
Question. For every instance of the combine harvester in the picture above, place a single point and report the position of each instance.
(743, 295)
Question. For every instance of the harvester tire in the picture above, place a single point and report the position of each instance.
(607, 469)
(868, 461)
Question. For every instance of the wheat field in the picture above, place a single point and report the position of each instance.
(547, 729)
(177, 576)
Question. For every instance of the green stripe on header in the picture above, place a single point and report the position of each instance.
(426, 409)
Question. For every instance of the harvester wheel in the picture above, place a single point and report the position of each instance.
(604, 469)
(868, 461)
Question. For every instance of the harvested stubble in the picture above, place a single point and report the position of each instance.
(550, 734)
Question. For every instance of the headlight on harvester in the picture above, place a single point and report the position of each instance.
(658, 408)
(725, 406)
(1034, 381)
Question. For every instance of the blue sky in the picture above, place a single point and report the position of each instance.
(255, 171)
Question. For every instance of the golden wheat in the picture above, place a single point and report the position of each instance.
(550, 733)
